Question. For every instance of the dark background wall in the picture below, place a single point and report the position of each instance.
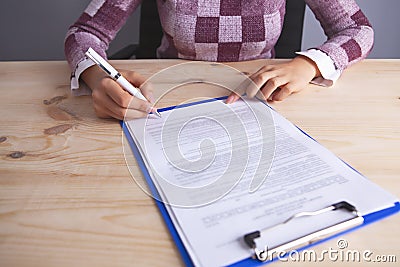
(35, 29)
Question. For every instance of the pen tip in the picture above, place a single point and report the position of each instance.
(157, 113)
(154, 111)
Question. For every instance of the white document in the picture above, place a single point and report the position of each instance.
(190, 148)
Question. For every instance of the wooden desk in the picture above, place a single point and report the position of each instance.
(67, 198)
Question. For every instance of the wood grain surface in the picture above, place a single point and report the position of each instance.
(67, 197)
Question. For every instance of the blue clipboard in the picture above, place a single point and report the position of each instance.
(368, 219)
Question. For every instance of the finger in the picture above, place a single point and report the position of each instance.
(258, 81)
(139, 104)
(241, 89)
(133, 77)
(271, 85)
(116, 92)
(147, 91)
(106, 105)
(99, 104)
(134, 114)
(288, 89)
(140, 82)
(123, 114)
(103, 112)
(233, 97)
(125, 100)
(260, 96)
(281, 94)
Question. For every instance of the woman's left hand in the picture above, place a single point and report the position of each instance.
(276, 82)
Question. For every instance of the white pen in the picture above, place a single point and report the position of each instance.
(116, 76)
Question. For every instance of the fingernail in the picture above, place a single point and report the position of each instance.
(153, 110)
(229, 99)
(235, 98)
(149, 108)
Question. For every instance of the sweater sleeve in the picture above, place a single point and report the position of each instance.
(95, 28)
(350, 35)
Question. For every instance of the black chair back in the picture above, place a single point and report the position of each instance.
(292, 33)
(150, 30)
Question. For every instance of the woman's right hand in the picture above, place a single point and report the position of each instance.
(110, 100)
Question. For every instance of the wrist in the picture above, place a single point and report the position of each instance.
(309, 64)
(92, 75)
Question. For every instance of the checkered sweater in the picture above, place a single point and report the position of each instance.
(223, 30)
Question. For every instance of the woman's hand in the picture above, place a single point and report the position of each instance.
(276, 82)
(110, 100)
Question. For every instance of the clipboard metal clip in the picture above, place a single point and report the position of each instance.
(263, 255)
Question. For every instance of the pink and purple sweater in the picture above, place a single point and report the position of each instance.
(224, 30)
